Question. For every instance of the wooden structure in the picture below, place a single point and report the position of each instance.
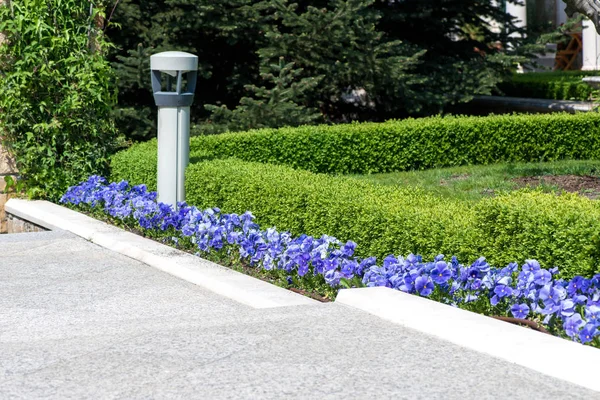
(566, 59)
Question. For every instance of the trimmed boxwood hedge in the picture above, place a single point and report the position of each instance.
(558, 230)
(401, 145)
(413, 143)
(548, 85)
(138, 164)
(381, 219)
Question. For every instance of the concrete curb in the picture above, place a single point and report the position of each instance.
(226, 282)
(550, 355)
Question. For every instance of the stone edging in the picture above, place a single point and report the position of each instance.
(17, 225)
(7, 168)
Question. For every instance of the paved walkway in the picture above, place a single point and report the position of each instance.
(78, 321)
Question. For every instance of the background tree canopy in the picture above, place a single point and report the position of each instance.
(325, 60)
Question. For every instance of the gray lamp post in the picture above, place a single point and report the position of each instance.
(173, 120)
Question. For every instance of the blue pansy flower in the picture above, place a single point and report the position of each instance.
(588, 333)
(572, 325)
(441, 273)
(592, 314)
(567, 308)
(332, 278)
(519, 310)
(542, 277)
(424, 285)
(531, 266)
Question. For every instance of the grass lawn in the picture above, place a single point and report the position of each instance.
(472, 183)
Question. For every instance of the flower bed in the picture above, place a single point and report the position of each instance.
(569, 309)
(555, 230)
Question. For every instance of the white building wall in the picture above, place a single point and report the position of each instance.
(591, 47)
(519, 11)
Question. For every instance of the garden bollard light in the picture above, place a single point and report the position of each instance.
(173, 120)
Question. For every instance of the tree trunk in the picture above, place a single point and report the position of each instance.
(589, 8)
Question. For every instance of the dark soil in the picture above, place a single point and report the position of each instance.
(312, 295)
(588, 186)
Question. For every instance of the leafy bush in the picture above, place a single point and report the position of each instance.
(570, 308)
(561, 230)
(56, 94)
(403, 145)
(558, 231)
(138, 164)
(413, 143)
(548, 85)
(382, 220)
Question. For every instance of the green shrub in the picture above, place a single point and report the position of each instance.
(408, 144)
(548, 85)
(413, 143)
(382, 219)
(56, 94)
(556, 230)
(138, 164)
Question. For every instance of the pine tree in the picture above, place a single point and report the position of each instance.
(224, 34)
(339, 41)
(279, 104)
(409, 57)
(465, 54)
(136, 115)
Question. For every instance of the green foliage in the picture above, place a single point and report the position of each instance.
(373, 59)
(541, 34)
(339, 43)
(548, 85)
(464, 54)
(136, 112)
(561, 230)
(270, 107)
(556, 230)
(56, 94)
(224, 34)
(413, 143)
(138, 164)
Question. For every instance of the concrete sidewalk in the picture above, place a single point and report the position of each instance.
(79, 321)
